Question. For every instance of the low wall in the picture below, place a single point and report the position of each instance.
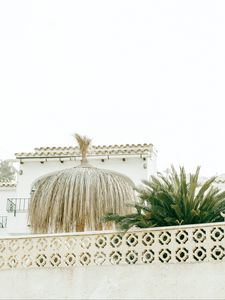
(161, 263)
(164, 281)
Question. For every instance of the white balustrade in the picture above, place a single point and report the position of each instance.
(178, 244)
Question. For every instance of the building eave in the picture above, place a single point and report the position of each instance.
(95, 152)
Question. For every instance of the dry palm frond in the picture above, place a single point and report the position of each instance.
(84, 143)
(77, 199)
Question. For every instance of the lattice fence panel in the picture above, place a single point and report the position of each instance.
(181, 244)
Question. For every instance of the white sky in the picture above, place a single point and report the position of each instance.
(117, 71)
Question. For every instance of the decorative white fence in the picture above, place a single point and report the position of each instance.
(179, 244)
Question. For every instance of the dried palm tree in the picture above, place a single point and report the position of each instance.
(76, 199)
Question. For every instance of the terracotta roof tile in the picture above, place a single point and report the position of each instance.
(127, 149)
(7, 183)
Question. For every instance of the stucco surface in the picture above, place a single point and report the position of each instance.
(164, 281)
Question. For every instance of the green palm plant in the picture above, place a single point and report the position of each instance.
(174, 200)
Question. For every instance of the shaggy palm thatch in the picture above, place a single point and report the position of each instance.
(76, 199)
(84, 143)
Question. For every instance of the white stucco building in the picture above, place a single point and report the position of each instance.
(136, 161)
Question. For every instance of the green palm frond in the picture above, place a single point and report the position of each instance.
(174, 200)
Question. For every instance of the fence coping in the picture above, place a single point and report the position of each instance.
(102, 232)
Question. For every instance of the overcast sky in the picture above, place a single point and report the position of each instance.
(117, 71)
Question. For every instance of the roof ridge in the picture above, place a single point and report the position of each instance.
(121, 149)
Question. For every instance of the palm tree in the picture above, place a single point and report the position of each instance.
(174, 200)
(77, 198)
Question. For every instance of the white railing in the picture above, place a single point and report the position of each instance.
(179, 244)
(3, 221)
(15, 205)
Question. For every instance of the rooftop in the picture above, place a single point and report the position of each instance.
(7, 183)
(128, 149)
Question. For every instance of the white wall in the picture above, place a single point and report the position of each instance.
(164, 281)
(112, 265)
(17, 224)
(132, 167)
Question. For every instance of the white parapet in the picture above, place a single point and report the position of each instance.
(197, 251)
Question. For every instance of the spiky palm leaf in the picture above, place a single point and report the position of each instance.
(175, 200)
